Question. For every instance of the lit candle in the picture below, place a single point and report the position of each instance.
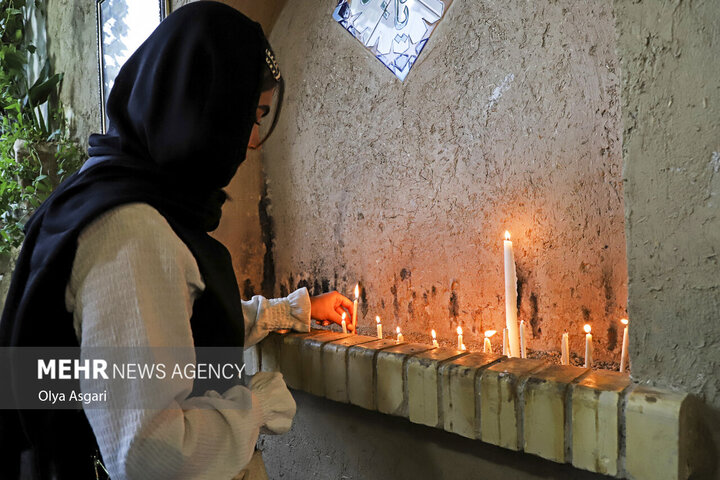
(523, 353)
(460, 337)
(344, 325)
(506, 347)
(434, 337)
(355, 304)
(487, 347)
(588, 347)
(624, 356)
(565, 349)
(511, 321)
(379, 327)
(400, 337)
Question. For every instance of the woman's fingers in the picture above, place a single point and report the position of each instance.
(345, 302)
(329, 307)
(337, 317)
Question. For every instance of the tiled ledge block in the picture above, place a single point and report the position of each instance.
(500, 413)
(251, 358)
(270, 352)
(334, 369)
(560, 413)
(391, 383)
(311, 361)
(422, 384)
(290, 359)
(457, 386)
(595, 404)
(361, 372)
(544, 411)
(659, 437)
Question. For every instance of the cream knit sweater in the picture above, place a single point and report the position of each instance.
(133, 283)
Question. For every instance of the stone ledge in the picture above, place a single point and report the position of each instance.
(422, 384)
(458, 393)
(500, 406)
(593, 419)
(544, 422)
(391, 377)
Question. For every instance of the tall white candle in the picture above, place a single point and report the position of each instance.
(460, 337)
(523, 353)
(511, 322)
(434, 338)
(487, 347)
(344, 325)
(379, 327)
(400, 337)
(355, 305)
(624, 355)
(506, 347)
(588, 347)
(565, 350)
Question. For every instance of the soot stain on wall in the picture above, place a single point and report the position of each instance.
(363, 301)
(396, 303)
(248, 289)
(612, 337)
(535, 319)
(268, 237)
(454, 303)
(521, 282)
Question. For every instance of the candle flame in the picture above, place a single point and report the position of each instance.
(507, 235)
(377, 319)
(459, 330)
(587, 328)
(343, 316)
(397, 329)
(490, 333)
(357, 290)
(434, 335)
(624, 321)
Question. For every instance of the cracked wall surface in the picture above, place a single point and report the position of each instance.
(509, 120)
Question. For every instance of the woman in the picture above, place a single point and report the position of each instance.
(119, 255)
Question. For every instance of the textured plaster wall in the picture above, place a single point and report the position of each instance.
(671, 114)
(72, 45)
(510, 120)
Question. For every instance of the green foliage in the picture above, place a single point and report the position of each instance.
(48, 154)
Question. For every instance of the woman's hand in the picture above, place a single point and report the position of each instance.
(329, 307)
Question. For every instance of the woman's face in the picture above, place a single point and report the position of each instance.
(261, 116)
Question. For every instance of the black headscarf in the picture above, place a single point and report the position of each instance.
(181, 112)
